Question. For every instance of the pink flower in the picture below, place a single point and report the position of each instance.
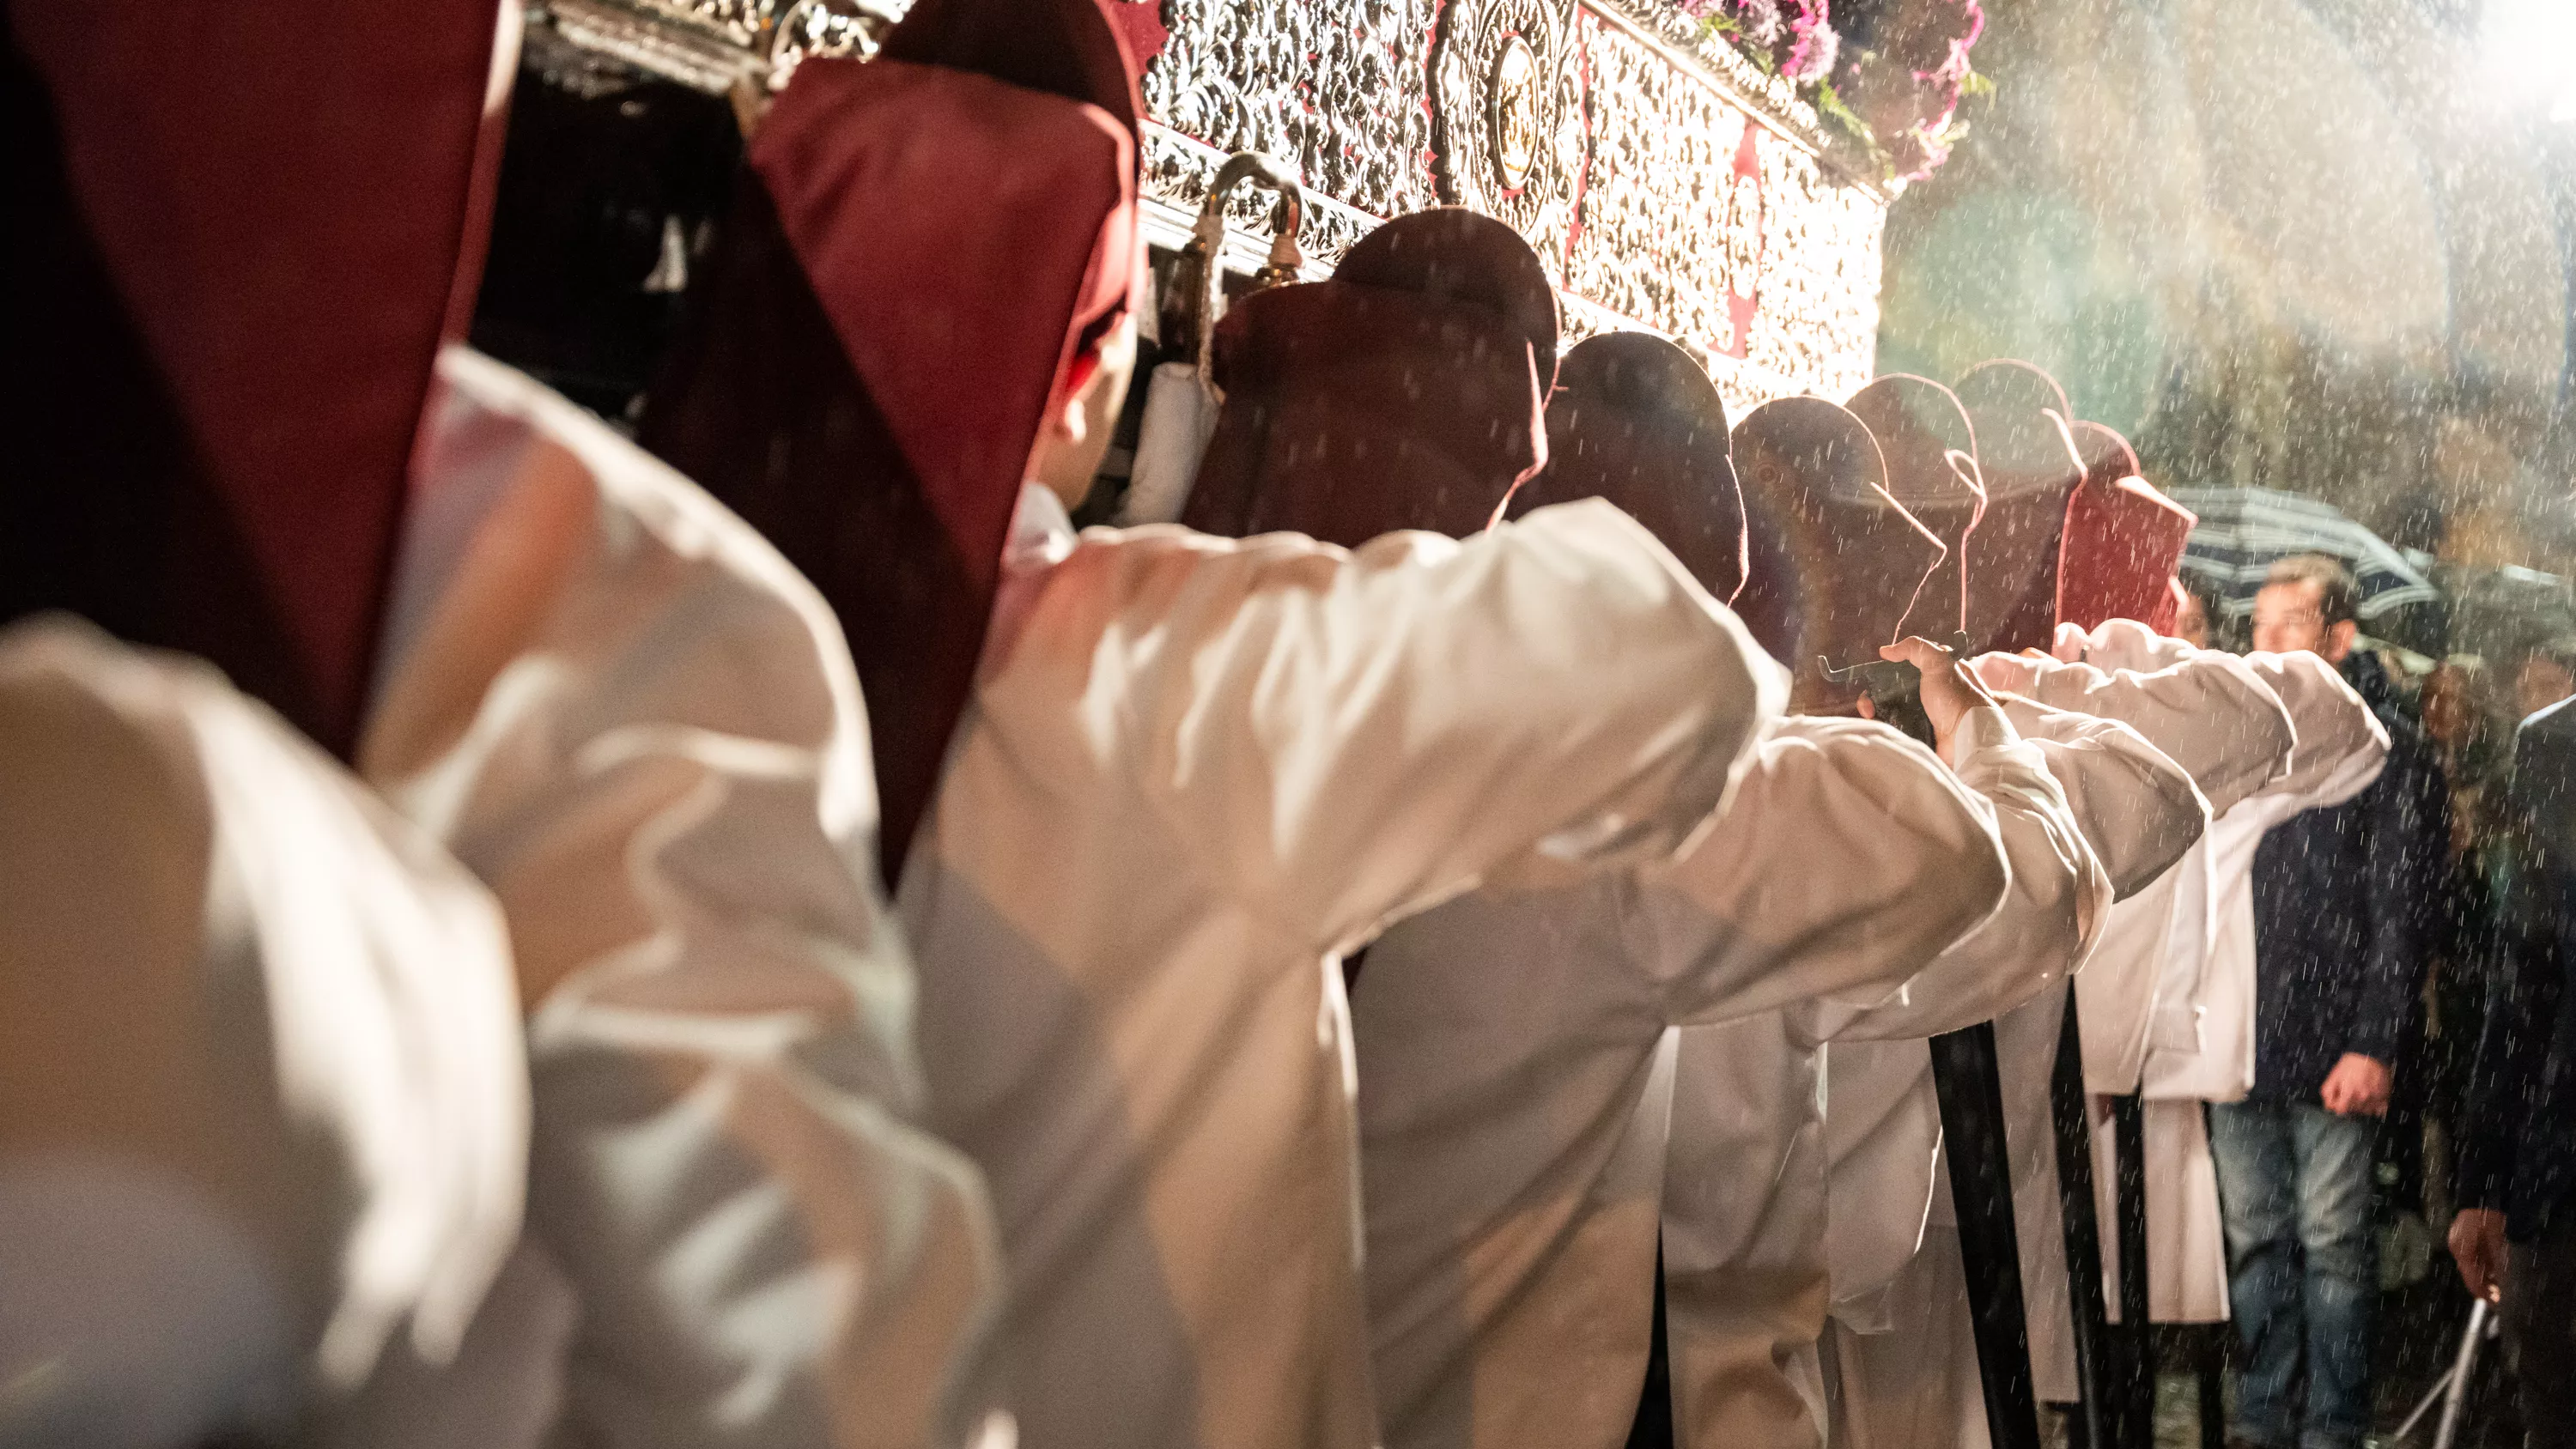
(1917, 154)
(1932, 35)
(1902, 76)
(1813, 44)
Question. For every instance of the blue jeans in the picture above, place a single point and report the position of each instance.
(2302, 1278)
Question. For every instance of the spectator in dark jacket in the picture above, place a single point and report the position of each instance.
(2475, 748)
(2515, 1236)
(2343, 911)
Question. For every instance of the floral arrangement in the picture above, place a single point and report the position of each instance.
(1891, 73)
(1795, 38)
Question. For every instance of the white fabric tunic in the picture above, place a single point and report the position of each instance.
(1746, 1200)
(626, 713)
(1194, 773)
(263, 1108)
(2206, 981)
(1511, 1178)
(2213, 714)
(1883, 1123)
(2210, 713)
(2333, 754)
(2140, 812)
(2202, 1041)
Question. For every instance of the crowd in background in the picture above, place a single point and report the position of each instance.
(2474, 1087)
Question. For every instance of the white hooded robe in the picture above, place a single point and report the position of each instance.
(263, 1104)
(1509, 1106)
(1194, 773)
(640, 727)
(1903, 1358)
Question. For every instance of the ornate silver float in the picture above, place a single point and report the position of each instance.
(1667, 181)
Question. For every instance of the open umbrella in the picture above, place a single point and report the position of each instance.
(2500, 612)
(2243, 530)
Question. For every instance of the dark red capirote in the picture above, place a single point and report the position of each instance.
(2026, 460)
(1835, 563)
(925, 251)
(2124, 540)
(237, 235)
(1636, 420)
(1406, 392)
(1931, 454)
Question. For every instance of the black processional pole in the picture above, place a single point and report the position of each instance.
(2137, 1324)
(1965, 1075)
(1969, 1083)
(2097, 1366)
(1971, 1128)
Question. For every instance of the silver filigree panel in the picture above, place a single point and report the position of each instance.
(714, 44)
(1651, 241)
(1691, 44)
(1507, 116)
(1664, 180)
(1620, 142)
(738, 21)
(1178, 170)
(1701, 222)
(1818, 320)
(1336, 87)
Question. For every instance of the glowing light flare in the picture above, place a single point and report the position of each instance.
(2527, 51)
(2318, 192)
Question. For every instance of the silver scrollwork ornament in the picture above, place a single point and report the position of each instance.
(1502, 90)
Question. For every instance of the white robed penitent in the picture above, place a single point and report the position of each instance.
(2213, 716)
(2201, 1046)
(640, 727)
(1194, 773)
(1511, 1090)
(263, 1112)
(1887, 1233)
(1748, 1273)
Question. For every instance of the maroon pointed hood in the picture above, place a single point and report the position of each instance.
(1637, 421)
(1405, 392)
(2026, 459)
(2124, 540)
(1836, 563)
(239, 234)
(923, 253)
(1931, 454)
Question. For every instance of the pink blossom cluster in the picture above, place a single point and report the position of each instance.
(1906, 84)
(1797, 35)
(1898, 66)
(1813, 43)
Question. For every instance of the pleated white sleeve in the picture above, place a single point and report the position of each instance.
(2209, 711)
(1350, 737)
(2058, 897)
(641, 728)
(1849, 858)
(263, 1108)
